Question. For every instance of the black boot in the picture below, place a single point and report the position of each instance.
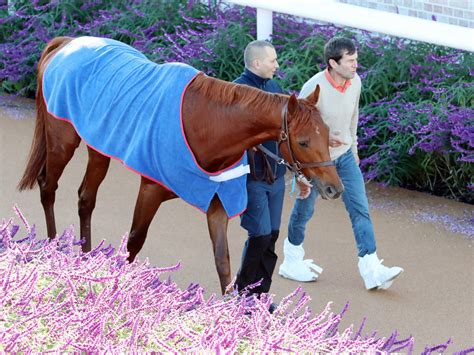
(251, 262)
(267, 265)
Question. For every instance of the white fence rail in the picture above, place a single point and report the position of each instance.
(362, 18)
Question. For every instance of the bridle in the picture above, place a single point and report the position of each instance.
(294, 165)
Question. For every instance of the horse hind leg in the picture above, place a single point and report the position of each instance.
(217, 222)
(150, 197)
(96, 171)
(61, 142)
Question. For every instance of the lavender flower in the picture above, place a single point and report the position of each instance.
(60, 299)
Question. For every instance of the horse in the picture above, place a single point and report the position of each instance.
(220, 121)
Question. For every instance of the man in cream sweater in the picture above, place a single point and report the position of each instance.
(339, 107)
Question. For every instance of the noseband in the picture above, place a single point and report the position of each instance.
(294, 165)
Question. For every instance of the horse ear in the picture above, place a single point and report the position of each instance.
(292, 104)
(314, 96)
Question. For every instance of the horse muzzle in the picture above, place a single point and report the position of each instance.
(329, 191)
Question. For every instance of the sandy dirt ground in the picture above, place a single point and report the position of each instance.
(430, 237)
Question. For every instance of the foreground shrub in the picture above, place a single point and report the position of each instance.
(416, 127)
(53, 297)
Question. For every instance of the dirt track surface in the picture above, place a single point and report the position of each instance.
(430, 237)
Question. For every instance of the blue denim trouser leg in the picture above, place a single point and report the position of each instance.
(300, 215)
(355, 200)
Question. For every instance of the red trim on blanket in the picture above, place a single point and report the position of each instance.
(131, 169)
(186, 141)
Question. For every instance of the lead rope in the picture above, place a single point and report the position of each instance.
(293, 185)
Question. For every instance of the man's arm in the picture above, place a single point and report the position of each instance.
(354, 123)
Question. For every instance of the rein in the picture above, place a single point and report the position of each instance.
(294, 165)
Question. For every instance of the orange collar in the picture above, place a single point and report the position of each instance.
(340, 88)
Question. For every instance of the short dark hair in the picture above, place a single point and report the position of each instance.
(336, 48)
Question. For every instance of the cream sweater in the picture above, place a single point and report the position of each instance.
(340, 111)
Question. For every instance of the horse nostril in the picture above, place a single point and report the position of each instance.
(332, 192)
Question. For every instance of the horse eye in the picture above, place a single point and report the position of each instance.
(303, 144)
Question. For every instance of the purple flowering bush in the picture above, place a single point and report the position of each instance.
(416, 124)
(27, 25)
(54, 297)
(417, 120)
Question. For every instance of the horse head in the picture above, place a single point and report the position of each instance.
(304, 144)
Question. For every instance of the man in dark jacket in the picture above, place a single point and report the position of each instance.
(265, 183)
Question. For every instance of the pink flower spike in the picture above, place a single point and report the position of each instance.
(23, 219)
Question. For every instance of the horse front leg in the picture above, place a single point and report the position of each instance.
(217, 222)
(150, 197)
(97, 167)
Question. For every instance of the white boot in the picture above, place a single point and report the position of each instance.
(294, 267)
(376, 275)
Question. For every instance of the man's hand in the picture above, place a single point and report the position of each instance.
(357, 159)
(304, 186)
(335, 140)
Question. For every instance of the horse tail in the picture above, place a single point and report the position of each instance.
(37, 155)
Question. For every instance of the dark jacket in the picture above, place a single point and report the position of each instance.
(268, 85)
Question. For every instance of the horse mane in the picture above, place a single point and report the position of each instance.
(227, 93)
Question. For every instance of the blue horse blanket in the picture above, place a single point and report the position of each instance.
(129, 108)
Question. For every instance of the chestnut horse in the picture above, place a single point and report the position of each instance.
(221, 121)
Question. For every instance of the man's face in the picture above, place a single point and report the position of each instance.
(346, 67)
(267, 64)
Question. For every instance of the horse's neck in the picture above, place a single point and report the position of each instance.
(220, 128)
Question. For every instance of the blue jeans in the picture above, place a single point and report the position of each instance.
(355, 200)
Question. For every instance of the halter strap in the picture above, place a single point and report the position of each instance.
(295, 166)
